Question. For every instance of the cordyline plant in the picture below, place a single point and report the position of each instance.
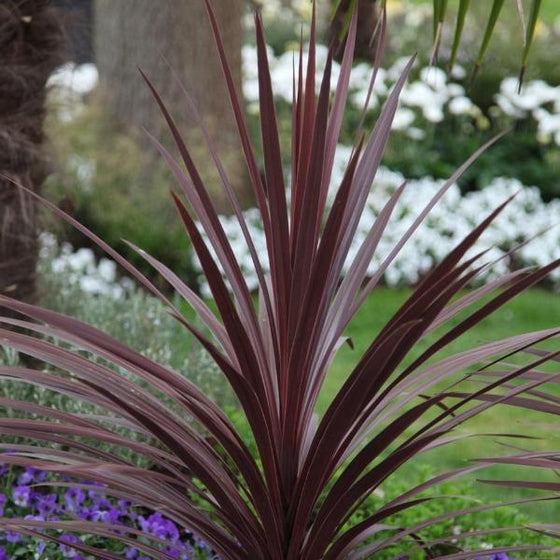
(294, 500)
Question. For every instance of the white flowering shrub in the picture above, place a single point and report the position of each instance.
(81, 269)
(430, 98)
(434, 109)
(537, 100)
(68, 87)
(449, 222)
(427, 98)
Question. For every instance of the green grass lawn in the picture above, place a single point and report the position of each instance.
(535, 310)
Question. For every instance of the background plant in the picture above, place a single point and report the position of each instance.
(91, 168)
(434, 109)
(526, 217)
(20, 497)
(99, 162)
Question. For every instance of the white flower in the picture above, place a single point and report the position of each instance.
(360, 79)
(83, 259)
(47, 244)
(455, 90)
(415, 133)
(360, 97)
(417, 94)
(458, 72)
(548, 124)
(509, 86)
(107, 270)
(404, 117)
(76, 79)
(433, 76)
(533, 95)
(433, 113)
(93, 285)
(85, 78)
(251, 89)
(505, 104)
(448, 223)
(461, 105)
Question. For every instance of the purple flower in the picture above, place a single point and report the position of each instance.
(92, 504)
(153, 525)
(12, 537)
(68, 551)
(74, 498)
(180, 553)
(100, 502)
(21, 496)
(46, 503)
(94, 494)
(31, 474)
(172, 531)
(110, 515)
(160, 527)
(124, 505)
(132, 554)
(86, 513)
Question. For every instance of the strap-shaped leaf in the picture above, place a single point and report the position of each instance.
(529, 36)
(440, 9)
(346, 16)
(459, 25)
(491, 24)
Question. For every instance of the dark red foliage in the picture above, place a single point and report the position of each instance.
(311, 473)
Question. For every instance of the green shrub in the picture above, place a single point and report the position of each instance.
(519, 155)
(102, 178)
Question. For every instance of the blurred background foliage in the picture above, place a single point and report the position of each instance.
(105, 175)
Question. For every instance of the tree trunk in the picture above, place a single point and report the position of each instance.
(136, 33)
(367, 23)
(30, 49)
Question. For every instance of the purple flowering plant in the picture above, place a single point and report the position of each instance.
(292, 498)
(35, 495)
